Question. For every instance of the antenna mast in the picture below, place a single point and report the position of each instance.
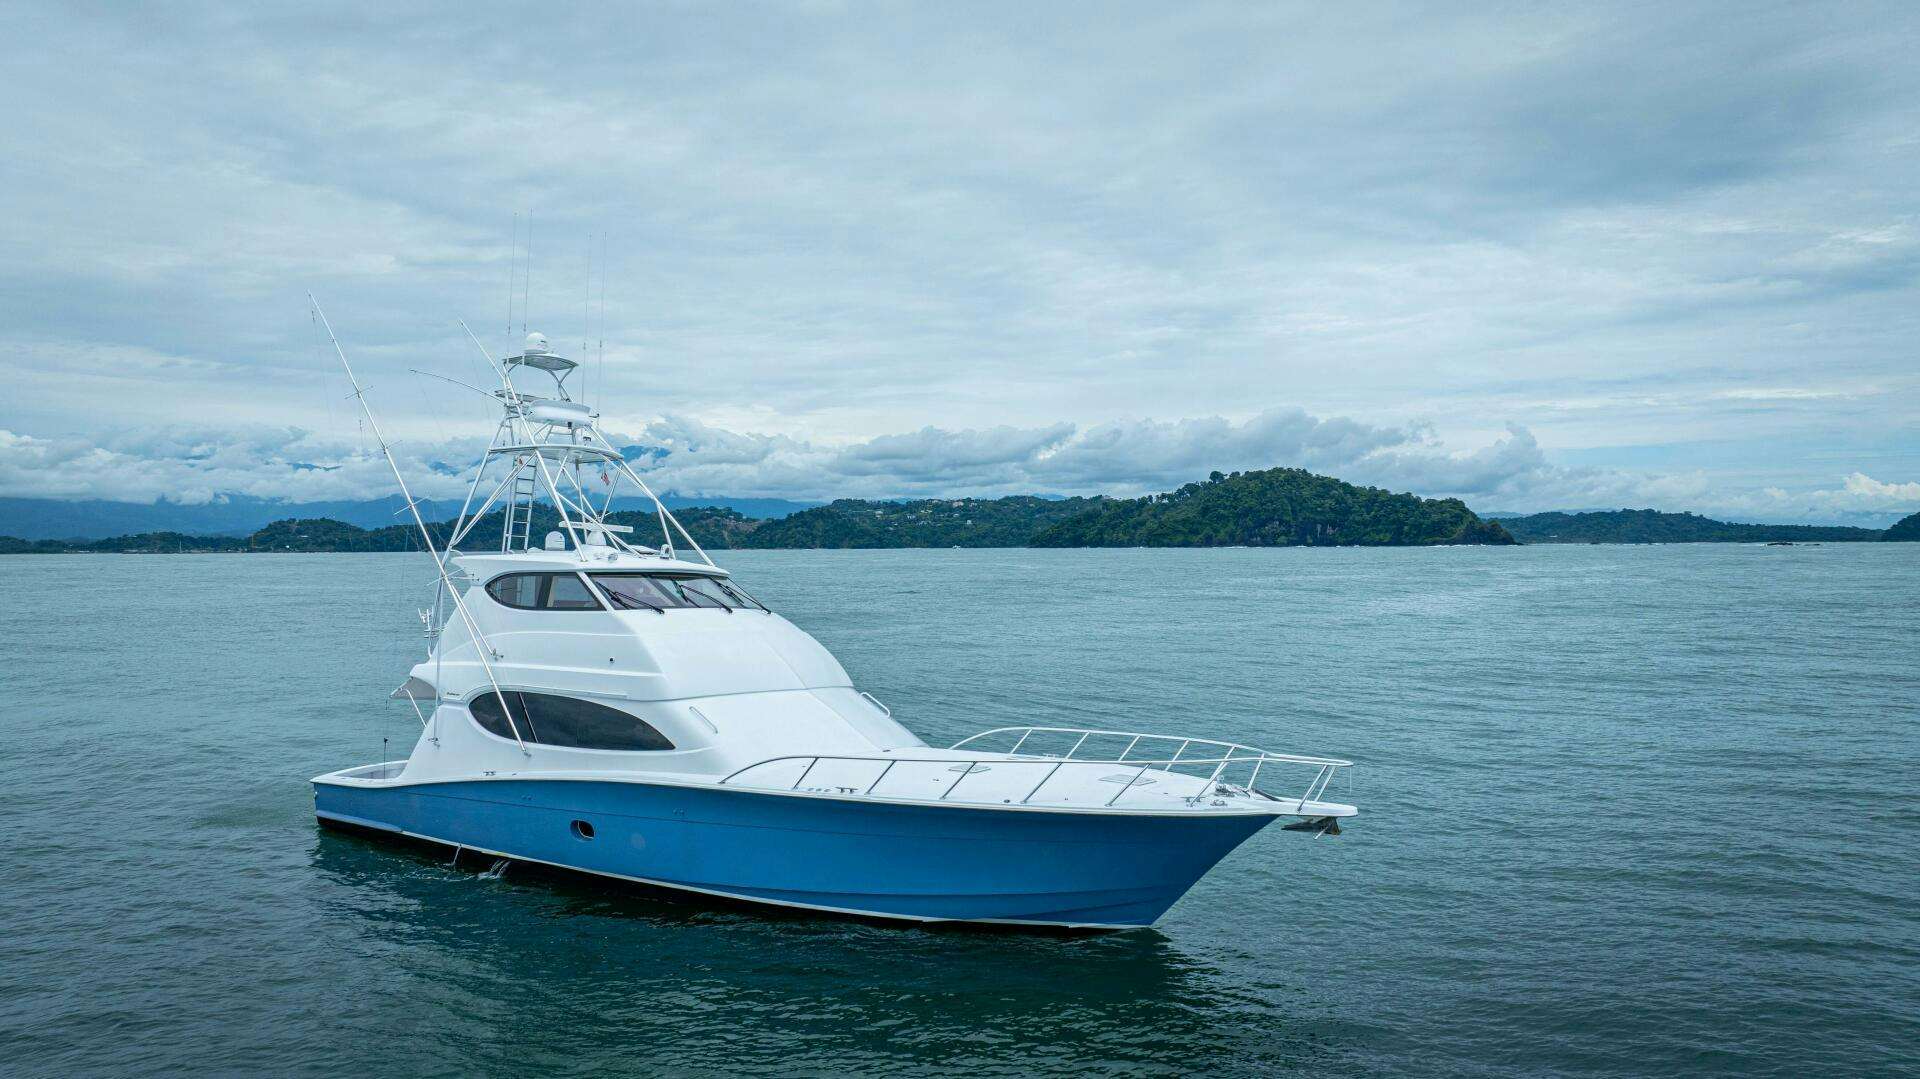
(526, 279)
(513, 262)
(480, 645)
(586, 319)
(600, 358)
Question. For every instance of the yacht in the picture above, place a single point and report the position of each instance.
(603, 698)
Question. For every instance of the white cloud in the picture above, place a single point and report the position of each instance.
(930, 230)
(1779, 393)
(1869, 490)
(682, 455)
(197, 466)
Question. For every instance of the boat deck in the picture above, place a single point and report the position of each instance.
(1199, 777)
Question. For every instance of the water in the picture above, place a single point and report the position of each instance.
(1624, 810)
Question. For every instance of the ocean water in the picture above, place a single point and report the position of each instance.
(1625, 810)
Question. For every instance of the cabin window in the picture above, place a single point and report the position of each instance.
(666, 591)
(567, 592)
(538, 591)
(521, 590)
(551, 720)
(632, 592)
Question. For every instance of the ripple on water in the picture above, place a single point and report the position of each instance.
(1644, 810)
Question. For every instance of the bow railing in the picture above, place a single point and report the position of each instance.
(1054, 766)
(1226, 757)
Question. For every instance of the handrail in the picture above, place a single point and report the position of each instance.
(1085, 733)
(1209, 785)
(1131, 762)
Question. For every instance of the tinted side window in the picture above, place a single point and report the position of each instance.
(520, 590)
(566, 721)
(552, 591)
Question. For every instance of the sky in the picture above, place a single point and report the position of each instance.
(1534, 256)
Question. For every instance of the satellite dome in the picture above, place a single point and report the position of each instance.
(536, 342)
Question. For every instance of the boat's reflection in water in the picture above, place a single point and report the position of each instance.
(548, 972)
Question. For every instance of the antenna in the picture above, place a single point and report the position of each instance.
(601, 358)
(586, 322)
(513, 260)
(526, 279)
(480, 645)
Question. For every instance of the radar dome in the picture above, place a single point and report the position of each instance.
(536, 342)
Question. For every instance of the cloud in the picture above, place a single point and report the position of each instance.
(682, 455)
(197, 466)
(1117, 457)
(1869, 491)
(1025, 247)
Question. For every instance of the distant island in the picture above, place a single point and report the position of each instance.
(1281, 507)
(1653, 526)
(1278, 507)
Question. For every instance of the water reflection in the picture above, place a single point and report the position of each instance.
(670, 980)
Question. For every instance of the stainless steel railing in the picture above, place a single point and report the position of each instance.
(1221, 763)
(1228, 754)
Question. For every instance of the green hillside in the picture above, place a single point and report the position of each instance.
(1279, 507)
(1906, 528)
(1653, 526)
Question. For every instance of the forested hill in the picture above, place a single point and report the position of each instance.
(1278, 507)
(934, 522)
(1906, 528)
(1653, 526)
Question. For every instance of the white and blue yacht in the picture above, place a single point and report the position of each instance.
(599, 703)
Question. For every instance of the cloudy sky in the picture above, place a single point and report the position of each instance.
(1535, 256)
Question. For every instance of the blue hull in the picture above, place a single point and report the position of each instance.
(870, 858)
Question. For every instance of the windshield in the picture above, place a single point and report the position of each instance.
(673, 591)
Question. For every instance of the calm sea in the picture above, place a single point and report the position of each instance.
(1625, 810)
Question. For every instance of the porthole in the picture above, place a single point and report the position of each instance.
(582, 830)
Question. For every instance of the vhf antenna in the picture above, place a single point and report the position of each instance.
(526, 279)
(513, 262)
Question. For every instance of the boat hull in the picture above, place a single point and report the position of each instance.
(869, 858)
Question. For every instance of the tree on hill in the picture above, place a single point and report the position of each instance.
(1906, 528)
